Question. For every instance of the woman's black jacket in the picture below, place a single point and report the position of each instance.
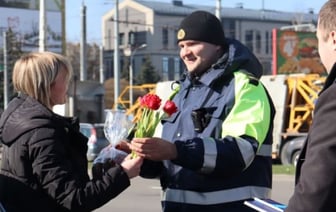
(44, 165)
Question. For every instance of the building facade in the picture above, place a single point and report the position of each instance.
(155, 24)
(22, 18)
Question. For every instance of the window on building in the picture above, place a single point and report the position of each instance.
(165, 37)
(232, 29)
(165, 68)
(121, 38)
(177, 68)
(270, 42)
(131, 38)
(267, 67)
(140, 38)
(175, 37)
(136, 38)
(258, 42)
(267, 46)
(249, 39)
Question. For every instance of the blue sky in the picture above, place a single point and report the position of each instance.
(97, 8)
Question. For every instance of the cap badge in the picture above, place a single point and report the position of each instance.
(181, 34)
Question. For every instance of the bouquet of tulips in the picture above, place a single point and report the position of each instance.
(151, 116)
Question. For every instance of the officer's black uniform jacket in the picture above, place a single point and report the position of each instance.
(315, 188)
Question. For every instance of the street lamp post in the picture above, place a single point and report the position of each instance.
(42, 27)
(132, 53)
(116, 54)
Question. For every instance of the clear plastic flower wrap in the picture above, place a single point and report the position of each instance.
(110, 153)
(116, 128)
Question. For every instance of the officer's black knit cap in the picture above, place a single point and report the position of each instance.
(201, 26)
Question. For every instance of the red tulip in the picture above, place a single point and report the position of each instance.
(169, 107)
(150, 101)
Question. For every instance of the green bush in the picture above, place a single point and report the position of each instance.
(283, 169)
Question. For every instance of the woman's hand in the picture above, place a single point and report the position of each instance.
(132, 166)
(124, 146)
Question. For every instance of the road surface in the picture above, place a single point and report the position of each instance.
(144, 195)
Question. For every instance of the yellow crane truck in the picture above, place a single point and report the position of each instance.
(294, 97)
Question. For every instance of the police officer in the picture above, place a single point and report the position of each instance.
(215, 151)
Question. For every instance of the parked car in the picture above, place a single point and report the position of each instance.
(291, 151)
(97, 140)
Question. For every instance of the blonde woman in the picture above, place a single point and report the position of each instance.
(44, 165)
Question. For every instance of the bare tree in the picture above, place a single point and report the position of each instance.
(73, 53)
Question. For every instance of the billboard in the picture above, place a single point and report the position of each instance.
(22, 17)
(296, 52)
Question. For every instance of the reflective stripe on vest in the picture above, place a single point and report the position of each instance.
(265, 150)
(246, 151)
(215, 197)
(210, 153)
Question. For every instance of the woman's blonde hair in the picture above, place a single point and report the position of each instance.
(34, 73)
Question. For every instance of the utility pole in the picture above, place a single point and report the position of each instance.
(83, 44)
(5, 69)
(63, 27)
(101, 65)
(263, 5)
(218, 9)
(116, 54)
(132, 53)
(42, 32)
